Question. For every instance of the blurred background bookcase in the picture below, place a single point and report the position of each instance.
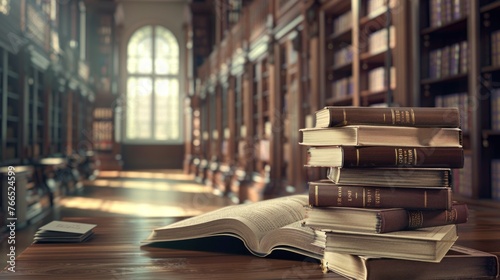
(458, 62)
(283, 60)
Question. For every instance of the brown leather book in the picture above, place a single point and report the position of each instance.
(382, 220)
(332, 116)
(385, 156)
(326, 193)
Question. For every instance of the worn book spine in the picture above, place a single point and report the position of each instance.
(402, 219)
(415, 116)
(380, 156)
(328, 194)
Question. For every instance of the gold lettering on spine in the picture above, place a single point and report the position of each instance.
(339, 196)
(316, 194)
(415, 219)
(396, 154)
(392, 115)
(357, 157)
(451, 216)
(345, 117)
(415, 156)
(425, 199)
(377, 197)
(412, 116)
(364, 197)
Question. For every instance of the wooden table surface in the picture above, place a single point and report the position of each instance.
(115, 253)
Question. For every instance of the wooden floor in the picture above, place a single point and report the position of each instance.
(174, 194)
(150, 193)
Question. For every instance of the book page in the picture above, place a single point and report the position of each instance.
(259, 218)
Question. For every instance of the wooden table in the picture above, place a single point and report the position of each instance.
(115, 253)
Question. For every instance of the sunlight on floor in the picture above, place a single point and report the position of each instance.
(131, 208)
(152, 185)
(170, 174)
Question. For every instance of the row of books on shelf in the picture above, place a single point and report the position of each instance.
(103, 113)
(449, 60)
(343, 56)
(462, 178)
(377, 79)
(495, 48)
(377, 41)
(374, 7)
(495, 179)
(384, 215)
(342, 23)
(446, 11)
(459, 100)
(342, 87)
(495, 109)
(103, 130)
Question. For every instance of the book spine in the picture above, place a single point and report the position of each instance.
(324, 194)
(403, 157)
(444, 117)
(390, 221)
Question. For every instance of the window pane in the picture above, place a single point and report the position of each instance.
(166, 109)
(139, 95)
(166, 52)
(140, 51)
(147, 120)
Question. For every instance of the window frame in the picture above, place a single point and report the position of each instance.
(154, 77)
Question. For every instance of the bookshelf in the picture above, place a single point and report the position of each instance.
(103, 129)
(445, 65)
(489, 115)
(36, 112)
(458, 67)
(337, 33)
(13, 102)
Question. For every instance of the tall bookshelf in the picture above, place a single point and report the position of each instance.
(337, 33)
(489, 115)
(359, 41)
(13, 102)
(459, 67)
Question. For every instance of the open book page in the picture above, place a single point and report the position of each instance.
(249, 222)
(296, 238)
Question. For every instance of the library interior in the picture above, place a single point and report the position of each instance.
(127, 116)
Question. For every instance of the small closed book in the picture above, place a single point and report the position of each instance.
(62, 231)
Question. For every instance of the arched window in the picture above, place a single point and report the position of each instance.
(153, 109)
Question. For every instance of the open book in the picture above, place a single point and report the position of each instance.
(263, 227)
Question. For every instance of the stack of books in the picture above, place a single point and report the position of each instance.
(387, 196)
(64, 232)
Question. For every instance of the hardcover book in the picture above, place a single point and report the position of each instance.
(391, 177)
(382, 220)
(423, 244)
(325, 193)
(264, 226)
(385, 156)
(370, 135)
(333, 116)
(459, 263)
